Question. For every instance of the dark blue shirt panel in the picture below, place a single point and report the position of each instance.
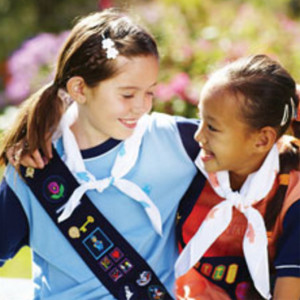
(14, 229)
(289, 244)
(187, 129)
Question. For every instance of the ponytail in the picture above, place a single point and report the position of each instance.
(289, 159)
(296, 128)
(36, 122)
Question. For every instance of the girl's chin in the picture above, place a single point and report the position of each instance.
(210, 167)
(123, 136)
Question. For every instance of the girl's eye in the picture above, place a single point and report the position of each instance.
(150, 94)
(211, 128)
(127, 96)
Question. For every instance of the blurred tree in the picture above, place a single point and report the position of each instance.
(194, 38)
(295, 7)
(53, 16)
(22, 19)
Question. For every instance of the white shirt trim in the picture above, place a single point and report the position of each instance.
(287, 266)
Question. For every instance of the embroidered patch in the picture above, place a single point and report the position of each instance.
(128, 292)
(89, 220)
(241, 290)
(125, 265)
(115, 274)
(156, 292)
(105, 263)
(29, 172)
(116, 254)
(145, 278)
(74, 232)
(54, 189)
(97, 243)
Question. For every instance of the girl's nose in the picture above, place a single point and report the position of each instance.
(199, 134)
(139, 105)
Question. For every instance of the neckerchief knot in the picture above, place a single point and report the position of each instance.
(124, 162)
(255, 243)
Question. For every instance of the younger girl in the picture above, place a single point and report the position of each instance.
(240, 230)
(99, 217)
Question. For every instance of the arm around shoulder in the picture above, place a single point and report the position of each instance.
(287, 263)
(14, 231)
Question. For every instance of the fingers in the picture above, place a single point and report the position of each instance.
(17, 157)
(28, 161)
(49, 148)
(10, 156)
(36, 159)
(21, 154)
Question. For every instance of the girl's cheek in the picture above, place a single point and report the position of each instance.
(124, 106)
(149, 106)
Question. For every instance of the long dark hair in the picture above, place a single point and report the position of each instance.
(82, 55)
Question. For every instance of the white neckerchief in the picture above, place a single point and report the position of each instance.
(125, 160)
(255, 242)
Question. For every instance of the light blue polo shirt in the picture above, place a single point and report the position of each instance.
(164, 170)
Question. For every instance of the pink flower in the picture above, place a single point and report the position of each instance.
(53, 187)
(103, 4)
(180, 83)
(204, 45)
(30, 66)
(164, 92)
(288, 24)
(179, 86)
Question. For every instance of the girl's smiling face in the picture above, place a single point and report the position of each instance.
(113, 108)
(227, 142)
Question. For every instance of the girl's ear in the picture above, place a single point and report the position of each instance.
(75, 88)
(265, 139)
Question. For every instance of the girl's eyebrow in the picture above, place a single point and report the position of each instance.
(213, 120)
(135, 87)
(209, 118)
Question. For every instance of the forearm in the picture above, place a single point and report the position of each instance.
(13, 224)
(287, 288)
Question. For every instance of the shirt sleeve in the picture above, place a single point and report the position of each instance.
(187, 129)
(287, 261)
(14, 233)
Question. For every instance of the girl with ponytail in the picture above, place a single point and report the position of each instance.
(109, 160)
(239, 232)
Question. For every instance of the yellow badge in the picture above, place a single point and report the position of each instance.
(29, 172)
(74, 232)
(89, 219)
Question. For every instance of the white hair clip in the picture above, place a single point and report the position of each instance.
(285, 115)
(109, 45)
(294, 112)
